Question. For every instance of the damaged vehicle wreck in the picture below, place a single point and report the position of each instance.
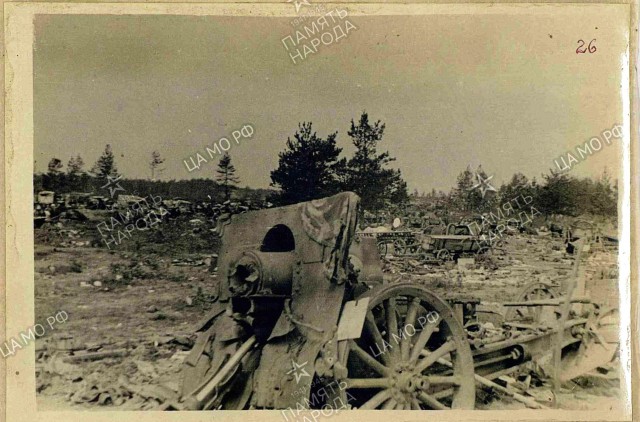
(302, 308)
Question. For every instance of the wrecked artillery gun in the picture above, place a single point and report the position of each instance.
(304, 319)
(457, 241)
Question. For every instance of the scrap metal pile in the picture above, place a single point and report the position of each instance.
(51, 207)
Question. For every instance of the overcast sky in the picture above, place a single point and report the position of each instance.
(505, 91)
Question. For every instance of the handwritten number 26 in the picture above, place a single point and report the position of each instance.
(591, 48)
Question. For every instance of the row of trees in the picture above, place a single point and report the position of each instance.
(557, 193)
(76, 179)
(311, 167)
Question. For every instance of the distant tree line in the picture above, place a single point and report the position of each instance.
(556, 194)
(191, 190)
(311, 167)
(76, 179)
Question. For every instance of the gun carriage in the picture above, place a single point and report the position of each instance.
(303, 317)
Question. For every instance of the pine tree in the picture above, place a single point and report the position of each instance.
(155, 162)
(74, 166)
(54, 167)
(226, 175)
(376, 185)
(558, 195)
(105, 166)
(459, 195)
(468, 193)
(54, 178)
(75, 176)
(309, 168)
(517, 191)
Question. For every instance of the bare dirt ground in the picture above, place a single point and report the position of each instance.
(141, 308)
(152, 318)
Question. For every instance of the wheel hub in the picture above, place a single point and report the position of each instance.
(404, 382)
(407, 381)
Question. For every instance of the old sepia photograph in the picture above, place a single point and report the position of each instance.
(318, 209)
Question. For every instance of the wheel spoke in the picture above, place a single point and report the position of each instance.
(389, 404)
(368, 382)
(535, 312)
(449, 346)
(447, 380)
(372, 328)
(392, 325)
(405, 343)
(431, 402)
(377, 400)
(448, 392)
(422, 340)
(366, 358)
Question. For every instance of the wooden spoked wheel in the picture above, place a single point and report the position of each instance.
(399, 247)
(382, 249)
(443, 255)
(484, 250)
(534, 314)
(413, 354)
